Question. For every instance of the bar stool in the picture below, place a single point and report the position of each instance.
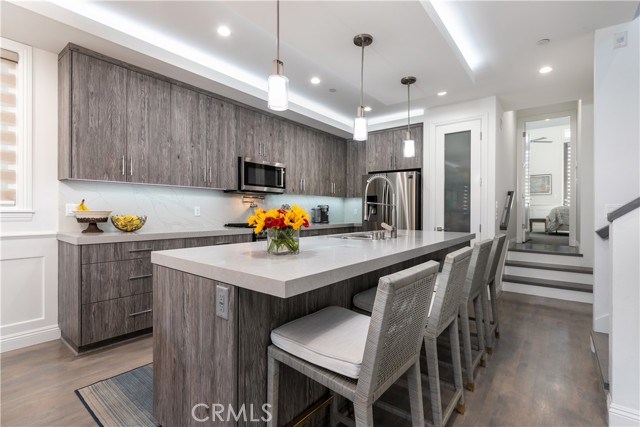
(356, 356)
(491, 319)
(444, 315)
(472, 293)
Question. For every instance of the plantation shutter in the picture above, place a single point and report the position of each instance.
(8, 128)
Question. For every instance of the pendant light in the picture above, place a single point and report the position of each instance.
(278, 97)
(360, 122)
(409, 145)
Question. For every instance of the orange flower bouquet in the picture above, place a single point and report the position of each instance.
(283, 227)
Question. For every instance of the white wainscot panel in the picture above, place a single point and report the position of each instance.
(28, 290)
(22, 292)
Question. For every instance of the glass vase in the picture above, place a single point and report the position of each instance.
(283, 241)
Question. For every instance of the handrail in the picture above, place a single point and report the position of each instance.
(623, 210)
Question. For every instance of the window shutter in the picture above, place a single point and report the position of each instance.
(8, 128)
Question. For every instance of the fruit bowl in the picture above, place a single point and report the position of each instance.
(128, 223)
(91, 218)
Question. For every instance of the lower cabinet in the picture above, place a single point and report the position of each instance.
(105, 291)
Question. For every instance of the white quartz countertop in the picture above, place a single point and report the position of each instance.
(79, 238)
(323, 260)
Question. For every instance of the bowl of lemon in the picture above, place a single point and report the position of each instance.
(128, 223)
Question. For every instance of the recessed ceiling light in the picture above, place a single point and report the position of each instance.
(332, 90)
(546, 69)
(443, 93)
(224, 31)
(315, 80)
(546, 120)
(367, 108)
(542, 42)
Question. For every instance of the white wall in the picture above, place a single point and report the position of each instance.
(616, 147)
(28, 258)
(585, 184)
(489, 111)
(506, 172)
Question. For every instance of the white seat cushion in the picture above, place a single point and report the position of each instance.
(332, 338)
(364, 300)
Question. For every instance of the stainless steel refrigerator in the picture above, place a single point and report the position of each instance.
(407, 188)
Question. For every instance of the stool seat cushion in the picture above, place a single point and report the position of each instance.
(364, 300)
(333, 338)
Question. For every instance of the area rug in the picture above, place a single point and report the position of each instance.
(125, 400)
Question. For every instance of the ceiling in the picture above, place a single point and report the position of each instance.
(179, 39)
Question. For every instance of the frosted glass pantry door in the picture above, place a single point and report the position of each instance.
(458, 177)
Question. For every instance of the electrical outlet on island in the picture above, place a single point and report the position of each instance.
(196, 211)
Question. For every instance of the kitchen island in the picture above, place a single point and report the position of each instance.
(214, 308)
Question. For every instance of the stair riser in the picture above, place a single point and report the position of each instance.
(537, 273)
(540, 291)
(546, 258)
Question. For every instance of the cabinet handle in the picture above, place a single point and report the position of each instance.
(141, 312)
(210, 176)
(222, 243)
(122, 164)
(304, 184)
(131, 166)
(204, 172)
(144, 276)
(141, 250)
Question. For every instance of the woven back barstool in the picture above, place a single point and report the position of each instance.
(444, 315)
(491, 317)
(356, 356)
(472, 294)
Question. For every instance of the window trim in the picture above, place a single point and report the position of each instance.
(23, 211)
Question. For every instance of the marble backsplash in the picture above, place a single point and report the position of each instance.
(172, 208)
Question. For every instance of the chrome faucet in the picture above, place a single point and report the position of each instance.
(367, 204)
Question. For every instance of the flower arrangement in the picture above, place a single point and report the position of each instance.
(282, 226)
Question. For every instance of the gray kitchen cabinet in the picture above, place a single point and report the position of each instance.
(385, 150)
(258, 136)
(301, 153)
(379, 151)
(187, 137)
(105, 291)
(402, 162)
(338, 178)
(92, 131)
(148, 129)
(215, 152)
(356, 167)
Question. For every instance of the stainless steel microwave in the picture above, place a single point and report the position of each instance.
(258, 175)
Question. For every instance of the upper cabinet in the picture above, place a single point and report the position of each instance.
(258, 136)
(93, 130)
(385, 150)
(356, 167)
(148, 129)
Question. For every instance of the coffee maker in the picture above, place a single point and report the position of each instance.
(324, 214)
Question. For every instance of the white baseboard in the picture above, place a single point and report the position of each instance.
(539, 291)
(623, 417)
(29, 338)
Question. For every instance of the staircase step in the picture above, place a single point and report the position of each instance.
(546, 283)
(547, 266)
(543, 250)
(545, 258)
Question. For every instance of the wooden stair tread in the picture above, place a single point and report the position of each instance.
(547, 283)
(554, 267)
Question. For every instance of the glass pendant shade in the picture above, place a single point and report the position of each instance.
(360, 132)
(278, 97)
(409, 148)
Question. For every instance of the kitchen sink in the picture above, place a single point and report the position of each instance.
(355, 236)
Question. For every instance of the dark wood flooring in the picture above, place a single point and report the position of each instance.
(541, 373)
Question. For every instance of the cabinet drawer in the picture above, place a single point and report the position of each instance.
(108, 280)
(116, 251)
(216, 240)
(109, 319)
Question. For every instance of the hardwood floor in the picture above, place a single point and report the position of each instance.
(541, 373)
